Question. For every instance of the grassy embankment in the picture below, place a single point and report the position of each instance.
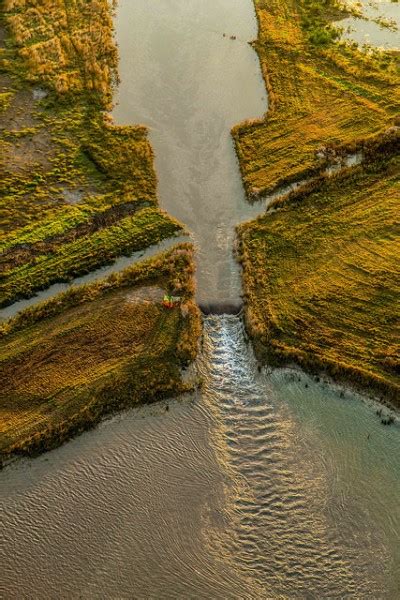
(93, 350)
(321, 277)
(75, 190)
(322, 95)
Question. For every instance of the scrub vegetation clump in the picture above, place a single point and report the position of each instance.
(321, 275)
(96, 349)
(326, 97)
(68, 46)
(76, 191)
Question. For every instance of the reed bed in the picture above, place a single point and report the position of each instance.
(96, 349)
(69, 178)
(77, 192)
(321, 276)
(325, 96)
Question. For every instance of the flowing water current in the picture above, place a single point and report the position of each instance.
(264, 483)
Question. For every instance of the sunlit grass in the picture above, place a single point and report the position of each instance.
(65, 146)
(68, 260)
(93, 350)
(321, 277)
(321, 93)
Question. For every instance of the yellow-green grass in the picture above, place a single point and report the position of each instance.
(69, 218)
(81, 153)
(88, 252)
(69, 46)
(321, 278)
(94, 350)
(321, 94)
(70, 180)
(76, 192)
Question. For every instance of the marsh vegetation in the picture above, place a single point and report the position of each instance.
(76, 193)
(323, 95)
(320, 268)
(72, 183)
(320, 277)
(97, 348)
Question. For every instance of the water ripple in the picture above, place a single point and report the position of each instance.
(228, 494)
(282, 533)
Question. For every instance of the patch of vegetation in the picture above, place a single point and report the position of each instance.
(321, 275)
(68, 46)
(76, 192)
(147, 227)
(322, 94)
(93, 215)
(71, 183)
(96, 349)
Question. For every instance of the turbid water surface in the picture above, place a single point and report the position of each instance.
(262, 484)
(185, 78)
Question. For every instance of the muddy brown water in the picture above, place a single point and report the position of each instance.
(262, 484)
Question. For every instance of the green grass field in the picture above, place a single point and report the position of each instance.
(76, 191)
(96, 349)
(321, 278)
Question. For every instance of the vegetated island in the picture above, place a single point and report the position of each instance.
(321, 274)
(76, 192)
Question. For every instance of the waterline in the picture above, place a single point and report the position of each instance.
(261, 485)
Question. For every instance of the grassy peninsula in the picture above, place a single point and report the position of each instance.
(96, 349)
(325, 97)
(321, 276)
(75, 190)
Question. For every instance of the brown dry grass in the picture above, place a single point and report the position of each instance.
(66, 45)
(321, 278)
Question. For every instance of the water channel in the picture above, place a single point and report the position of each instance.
(190, 83)
(262, 484)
